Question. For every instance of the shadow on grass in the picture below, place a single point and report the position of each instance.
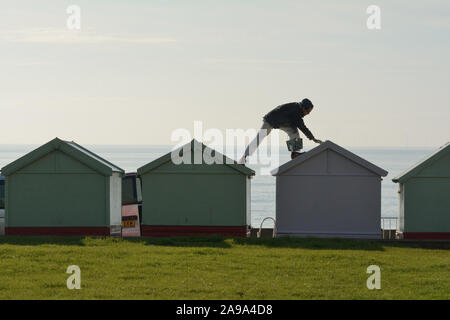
(225, 242)
(42, 240)
(185, 241)
(291, 242)
(419, 244)
(313, 243)
(193, 241)
(341, 244)
(286, 242)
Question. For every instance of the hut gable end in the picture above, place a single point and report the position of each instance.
(437, 169)
(56, 161)
(61, 155)
(164, 164)
(340, 165)
(316, 165)
(329, 159)
(437, 165)
(169, 167)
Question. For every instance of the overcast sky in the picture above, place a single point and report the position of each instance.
(138, 70)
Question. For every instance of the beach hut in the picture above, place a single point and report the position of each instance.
(195, 190)
(62, 188)
(424, 192)
(2, 205)
(328, 192)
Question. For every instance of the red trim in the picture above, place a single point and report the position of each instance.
(170, 231)
(426, 235)
(130, 174)
(57, 231)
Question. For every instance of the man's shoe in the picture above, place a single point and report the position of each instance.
(295, 154)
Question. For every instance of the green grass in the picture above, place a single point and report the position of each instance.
(222, 268)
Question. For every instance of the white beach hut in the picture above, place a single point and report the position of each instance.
(329, 192)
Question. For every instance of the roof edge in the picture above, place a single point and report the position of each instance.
(167, 157)
(96, 155)
(63, 146)
(416, 168)
(333, 146)
(31, 156)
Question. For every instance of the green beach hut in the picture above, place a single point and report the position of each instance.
(195, 190)
(424, 192)
(2, 205)
(62, 188)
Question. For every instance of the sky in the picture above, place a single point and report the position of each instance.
(138, 70)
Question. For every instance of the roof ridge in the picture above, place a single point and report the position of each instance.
(74, 150)
(94, 154)
(328, 144)
(166, 158)
(418, 166)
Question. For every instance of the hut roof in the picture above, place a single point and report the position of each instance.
(195, 145)
(70, 148)
(332, 146)
(428, 161)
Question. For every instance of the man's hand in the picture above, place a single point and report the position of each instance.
(317, 141)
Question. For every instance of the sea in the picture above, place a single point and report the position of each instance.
(129, 158)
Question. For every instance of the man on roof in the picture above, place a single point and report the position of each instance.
(287, 117)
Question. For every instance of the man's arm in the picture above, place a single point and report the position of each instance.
(306, 132)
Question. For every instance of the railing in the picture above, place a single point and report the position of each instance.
(274, 234)
(389, 223)
(389, 228)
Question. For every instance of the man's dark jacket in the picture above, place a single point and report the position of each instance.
(288, 115)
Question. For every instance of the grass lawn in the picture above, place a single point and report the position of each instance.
(222, 268)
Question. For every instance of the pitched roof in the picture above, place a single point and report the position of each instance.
(195, 145)
(411, 172)
(70, 148)
(332, 146)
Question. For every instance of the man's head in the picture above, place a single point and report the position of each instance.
(307, 106)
